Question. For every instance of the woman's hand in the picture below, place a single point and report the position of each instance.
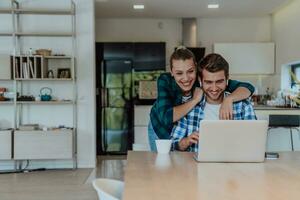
(184, 143)
(226, 112)
(197, 95)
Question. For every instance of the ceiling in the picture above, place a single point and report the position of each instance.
(186, 8)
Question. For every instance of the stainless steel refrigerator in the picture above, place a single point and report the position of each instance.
(116, 106)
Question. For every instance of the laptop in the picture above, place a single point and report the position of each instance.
(232, 141)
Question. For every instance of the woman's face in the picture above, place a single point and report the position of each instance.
(184, 73)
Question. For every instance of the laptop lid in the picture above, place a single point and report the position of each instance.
(232, 141)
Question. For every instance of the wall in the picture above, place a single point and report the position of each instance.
(212, 30)
(85, 19)
(140, 30)
(285, 32)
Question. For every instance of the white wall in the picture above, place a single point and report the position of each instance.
(286, 34)
(212, 30)
(140, 30)
(85, 22)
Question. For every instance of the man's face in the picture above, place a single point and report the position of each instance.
(214, 85)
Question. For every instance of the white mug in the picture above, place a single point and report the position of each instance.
(163, 146)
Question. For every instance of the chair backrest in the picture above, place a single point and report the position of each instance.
(108, 189)
(284, 121)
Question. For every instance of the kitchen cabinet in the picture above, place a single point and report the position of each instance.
(43, 145)
(149, 56)
(278, 140)
(5, 70)
(5, 145)
(141, 120)
(248, 58)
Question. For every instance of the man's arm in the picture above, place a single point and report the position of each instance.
(248, 111)
(226, 106)
(179, 131)
(186, 142)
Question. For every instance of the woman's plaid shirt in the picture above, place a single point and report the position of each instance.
(242, 110)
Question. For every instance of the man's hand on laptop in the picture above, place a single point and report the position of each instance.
(188, 141)
(226, 111)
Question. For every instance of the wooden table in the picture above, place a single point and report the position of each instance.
(178, 176)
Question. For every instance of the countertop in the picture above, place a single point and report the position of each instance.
(264, 107)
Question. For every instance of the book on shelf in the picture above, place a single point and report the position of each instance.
(32, 72)
(25, 70)
(17, 68)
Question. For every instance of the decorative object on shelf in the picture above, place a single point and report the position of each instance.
(28, 127)
(50, 74)
(2, 91)
(43, 52)
(45, 93)
(25, 98)
(63, 73)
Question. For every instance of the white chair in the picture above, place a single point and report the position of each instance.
(108, 189)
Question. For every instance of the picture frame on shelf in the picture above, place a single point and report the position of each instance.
(63, 73)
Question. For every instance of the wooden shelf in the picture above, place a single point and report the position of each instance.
(57, 57)
(5, 11)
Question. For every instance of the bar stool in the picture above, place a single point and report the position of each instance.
(285, 121)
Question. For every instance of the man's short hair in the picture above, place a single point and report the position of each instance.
(213, 63)
(181, 53)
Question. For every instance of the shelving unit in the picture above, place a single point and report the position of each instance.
(41, 145)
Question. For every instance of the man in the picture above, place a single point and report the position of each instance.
(213, 75)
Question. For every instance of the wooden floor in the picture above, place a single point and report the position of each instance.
(60, 184)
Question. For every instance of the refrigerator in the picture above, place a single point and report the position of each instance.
(116, 106)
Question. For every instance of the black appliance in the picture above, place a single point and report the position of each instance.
(199, 52)
(115, 67)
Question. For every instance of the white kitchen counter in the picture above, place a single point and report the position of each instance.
(278, 140)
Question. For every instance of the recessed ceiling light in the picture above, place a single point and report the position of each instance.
(213, 5)
(138, 6)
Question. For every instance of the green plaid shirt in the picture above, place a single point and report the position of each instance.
(169, 95)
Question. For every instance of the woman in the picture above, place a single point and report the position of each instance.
(179, 91)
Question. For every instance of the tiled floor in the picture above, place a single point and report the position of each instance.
(60, 184)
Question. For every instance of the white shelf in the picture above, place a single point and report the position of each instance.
(60, 144)
(39, 34)
(45, 102)
(44, 11)
(6, 80)
(6, 102)
(5, 34)
(44, 79)
(37, 11)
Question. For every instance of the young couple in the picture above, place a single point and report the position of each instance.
(179, 107)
